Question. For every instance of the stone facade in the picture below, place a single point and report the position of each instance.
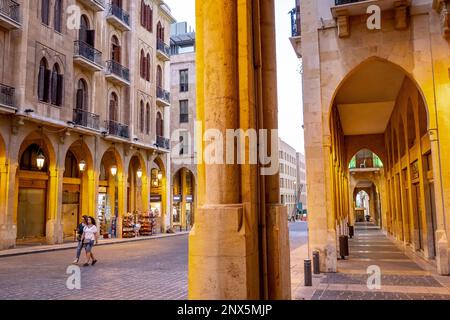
(288, 177)
(183, 121)
(97, 118)
(301, 180)
(383, 90)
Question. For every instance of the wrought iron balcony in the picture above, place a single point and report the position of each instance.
(295, 22)
(118, 129)
(163, 143)
(10, 14)
(117, 73)
(87, 56)
(162, 97)
(163, 50)
(7, 96)
(86, 119)
(341, 2)
(118, 18)
(96, 5)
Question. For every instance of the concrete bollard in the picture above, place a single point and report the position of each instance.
(308, 273)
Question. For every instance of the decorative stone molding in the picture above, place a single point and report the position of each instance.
(401, 15)
(343, 25)
(433, 133)
(443, 8)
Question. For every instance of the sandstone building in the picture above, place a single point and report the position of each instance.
(84, 115)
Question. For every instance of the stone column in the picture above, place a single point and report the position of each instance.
(54, 228)
(221, 257)
(278, 257)
(8, 228)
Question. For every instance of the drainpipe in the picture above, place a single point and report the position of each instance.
(257, 55)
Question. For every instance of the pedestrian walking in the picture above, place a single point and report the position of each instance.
(80, 231)
(90, 238)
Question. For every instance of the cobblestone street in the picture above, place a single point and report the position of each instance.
(154, 269)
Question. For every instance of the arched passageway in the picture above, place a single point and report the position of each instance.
(183, 202)
(379, 107)
(110, 194)
(78, 187)
(36, 190)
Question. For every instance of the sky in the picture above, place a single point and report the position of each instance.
(289, 77)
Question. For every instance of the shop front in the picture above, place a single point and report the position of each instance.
(108, 196)
(183, 199)
(157, 196)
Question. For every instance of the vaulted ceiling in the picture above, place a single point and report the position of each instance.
(367, 98)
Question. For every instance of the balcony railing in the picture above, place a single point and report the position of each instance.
(341, 2)
(119, 13)
(86, 119)
(162, 143)
(118, 129)
(11, 9)
(7, 95)
(112, 67)
(164, 48)
(162, 94)
(84, 50)
(295, 22)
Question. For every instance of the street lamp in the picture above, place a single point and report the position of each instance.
(139, 173)
(82, 165)
(160, 176)
(40, 161)
(114, 170)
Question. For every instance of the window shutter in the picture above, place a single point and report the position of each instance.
(53, 87)
(60, 90)
(47, 85)
(90, 37)
(147, 68)
(41, 83)
(80, 99)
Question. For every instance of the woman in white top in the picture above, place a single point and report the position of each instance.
(90, 237)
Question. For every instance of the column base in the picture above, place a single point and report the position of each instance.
(223, 257)
(54, 232)
(442, 253)
(8, 235)
(278, 259)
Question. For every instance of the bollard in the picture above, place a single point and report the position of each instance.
(343, 247)
(316, 262)
(308, 274)
(351, 231)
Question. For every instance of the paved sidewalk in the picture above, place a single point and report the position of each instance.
(73, 245)
(404, 276)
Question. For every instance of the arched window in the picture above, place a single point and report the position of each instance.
(141, 117)
(117, 3)
(82, 95)
(148, 67)
(58, 15)
(113, 107)
(71, 168)
(147, 119)
(57, 86)
(159, 79)
(146, 16)
(160, 32)
(85, 34)
(115, 50)
(44, 81)
(143, 13)
(159, 125)
(45, 12)
(143, 64)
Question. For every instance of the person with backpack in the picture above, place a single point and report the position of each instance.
(80, 231)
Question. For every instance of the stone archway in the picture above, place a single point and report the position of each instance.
(78, 188)
(370, 109)
(37, 181)
(111, 191)
(184, 195)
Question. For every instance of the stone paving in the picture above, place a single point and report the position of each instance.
(146, 270)
(404, 276)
